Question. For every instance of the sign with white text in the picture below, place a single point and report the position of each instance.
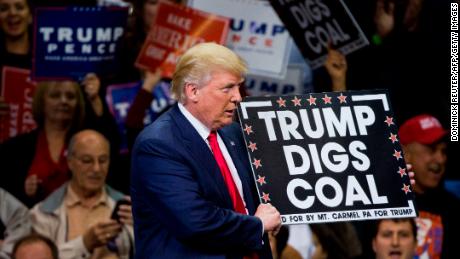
(120, 98)
(292, 83)
(17, 91)
(70, 42)
(326, 157)
(176, 29)
(314, 24)
(256, 34)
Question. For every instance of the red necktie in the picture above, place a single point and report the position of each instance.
(238, 204)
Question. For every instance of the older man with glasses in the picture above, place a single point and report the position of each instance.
(77, 215)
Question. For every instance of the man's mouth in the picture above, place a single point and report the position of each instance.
(395, 254)
(94, 178)
(435, 168)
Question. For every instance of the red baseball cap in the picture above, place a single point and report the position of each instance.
(424, 129)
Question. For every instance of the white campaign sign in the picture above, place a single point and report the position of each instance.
(292, 83)
(256, 34)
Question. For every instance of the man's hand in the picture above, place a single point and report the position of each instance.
(411, 174)
(336, 66)
(31, 185)
(151, 80)
(270, 217)
(100, 234)
(125, 212)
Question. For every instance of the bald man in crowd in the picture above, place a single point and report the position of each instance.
(35, 246)
(77, 216)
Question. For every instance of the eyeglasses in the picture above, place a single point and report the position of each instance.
(90, 161)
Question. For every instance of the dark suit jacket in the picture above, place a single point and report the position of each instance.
(181, 205)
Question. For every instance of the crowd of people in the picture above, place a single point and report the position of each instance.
(66, 190)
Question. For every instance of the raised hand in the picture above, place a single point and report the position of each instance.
(384, 17)
(336, 66)
(411, 174)
(151, 79)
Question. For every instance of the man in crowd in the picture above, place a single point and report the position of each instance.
(395, 238)
(423, 140)
(77, 216)
(193, 195)
(35, 247)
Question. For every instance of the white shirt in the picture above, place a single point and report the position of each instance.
(204, 132)
(300, 239)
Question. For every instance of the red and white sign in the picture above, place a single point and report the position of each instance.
(176, 29)
(17, 91)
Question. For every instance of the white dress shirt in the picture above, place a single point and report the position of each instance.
(204, 132)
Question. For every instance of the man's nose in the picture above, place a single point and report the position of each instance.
(236, 96)
(395, 240)
(96, 166)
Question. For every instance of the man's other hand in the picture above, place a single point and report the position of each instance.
(270, 217)
(101, 233)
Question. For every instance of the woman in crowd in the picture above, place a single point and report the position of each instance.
(15, 38)
(15, 33)
(34, 164)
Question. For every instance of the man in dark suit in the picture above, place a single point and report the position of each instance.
(192, 190)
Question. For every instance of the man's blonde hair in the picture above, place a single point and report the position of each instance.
(196, 65)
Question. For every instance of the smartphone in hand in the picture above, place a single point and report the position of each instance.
(115, 215)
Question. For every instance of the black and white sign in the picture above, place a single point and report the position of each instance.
(326, 157)
(314, 24)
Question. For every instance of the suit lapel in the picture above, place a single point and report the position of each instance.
(202, 155)
(233, 148)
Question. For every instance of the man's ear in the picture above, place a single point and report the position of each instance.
(70, 164)
(407, 153)
(374, 245)
(191, 92)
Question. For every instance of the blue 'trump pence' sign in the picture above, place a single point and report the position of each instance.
(70, 42)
